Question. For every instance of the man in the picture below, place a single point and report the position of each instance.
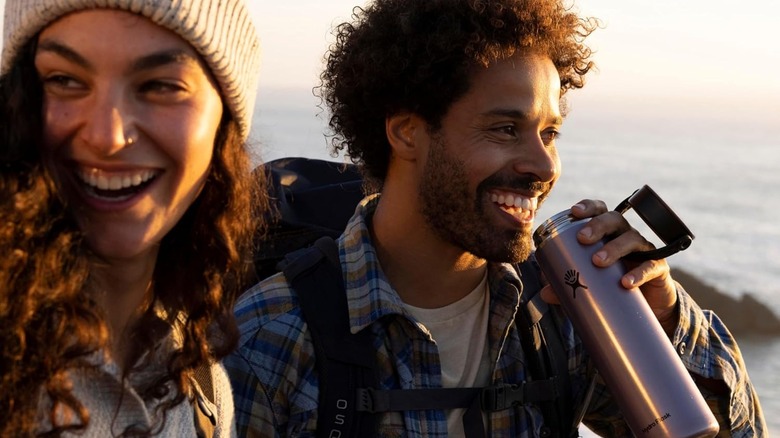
(452, 108)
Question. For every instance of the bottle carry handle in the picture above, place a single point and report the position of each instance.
(661, 219)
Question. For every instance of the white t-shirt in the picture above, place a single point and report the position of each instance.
(460, 332)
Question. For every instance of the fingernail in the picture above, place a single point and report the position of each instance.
(586, 232)
(630, 280)
(580, 207)
(601, 255)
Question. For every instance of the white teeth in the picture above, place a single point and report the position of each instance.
(516, 201)
(509, 200)
(526, 204)
(102, 182)
(96, 178)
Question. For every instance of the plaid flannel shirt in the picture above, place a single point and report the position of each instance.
(275, 382)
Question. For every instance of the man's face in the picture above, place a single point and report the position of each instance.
(494, 159)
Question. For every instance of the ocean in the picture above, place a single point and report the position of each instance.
(722, 179)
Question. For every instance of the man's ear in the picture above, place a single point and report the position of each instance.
(404, 132)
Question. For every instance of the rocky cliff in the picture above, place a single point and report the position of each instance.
(744, 315)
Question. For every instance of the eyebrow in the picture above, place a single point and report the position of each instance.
(148, 62)
(65, 52)
(517, 114)
(159, 59)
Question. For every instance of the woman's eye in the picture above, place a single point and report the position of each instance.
(62, 82)
(161, 87)
(163, 91)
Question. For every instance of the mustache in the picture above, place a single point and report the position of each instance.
(516, 182)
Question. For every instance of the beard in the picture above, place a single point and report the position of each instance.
(459, 216)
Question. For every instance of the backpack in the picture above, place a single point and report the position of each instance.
(309, 199)
(312, 203)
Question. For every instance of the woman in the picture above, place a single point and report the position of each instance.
(126, 212)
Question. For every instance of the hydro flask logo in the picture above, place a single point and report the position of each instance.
(572, 278)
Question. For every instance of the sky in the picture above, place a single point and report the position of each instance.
(695, 58)
(701, 59)
(710, 40)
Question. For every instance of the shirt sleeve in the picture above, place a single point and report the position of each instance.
(272, 371)
(709, 351)
(254, 416)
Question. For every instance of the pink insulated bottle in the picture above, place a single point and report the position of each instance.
(620, 332)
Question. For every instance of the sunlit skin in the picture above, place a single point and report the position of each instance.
(127, 105)
(503, 129)
(494, 160)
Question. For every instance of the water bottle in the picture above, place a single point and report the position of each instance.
(630, 349)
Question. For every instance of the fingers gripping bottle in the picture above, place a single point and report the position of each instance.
(640, 366)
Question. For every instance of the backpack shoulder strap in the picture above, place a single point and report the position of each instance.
(349, 404)
(344, 361)
(205, 418)
(543, 345)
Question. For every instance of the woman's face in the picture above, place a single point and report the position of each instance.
(130, 118)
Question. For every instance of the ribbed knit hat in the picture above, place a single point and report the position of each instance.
(220, 30)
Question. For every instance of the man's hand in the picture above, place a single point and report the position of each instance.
(652, 277)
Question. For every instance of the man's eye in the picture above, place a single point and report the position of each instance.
(506, 130)
(550, 136)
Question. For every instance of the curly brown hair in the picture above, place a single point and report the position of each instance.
(418, 56)
(48, 324)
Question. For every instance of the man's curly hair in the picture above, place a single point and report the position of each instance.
(419, 55)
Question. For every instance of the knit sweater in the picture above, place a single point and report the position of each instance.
(115, 406)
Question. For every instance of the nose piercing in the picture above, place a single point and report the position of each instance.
(129, 140)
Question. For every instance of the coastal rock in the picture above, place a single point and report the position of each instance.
(744, 315)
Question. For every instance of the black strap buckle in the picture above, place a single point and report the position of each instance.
(366, 401)
(505, 396)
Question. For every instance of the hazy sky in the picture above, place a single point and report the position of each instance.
(703, 55)
(713, 56)
(702, 43)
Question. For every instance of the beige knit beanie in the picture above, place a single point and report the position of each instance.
(220, 30)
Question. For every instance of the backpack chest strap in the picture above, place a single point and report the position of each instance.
(492, 398)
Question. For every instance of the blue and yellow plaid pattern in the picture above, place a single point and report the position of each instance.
(276, 384)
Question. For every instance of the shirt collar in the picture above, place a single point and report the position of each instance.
(369, 293)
